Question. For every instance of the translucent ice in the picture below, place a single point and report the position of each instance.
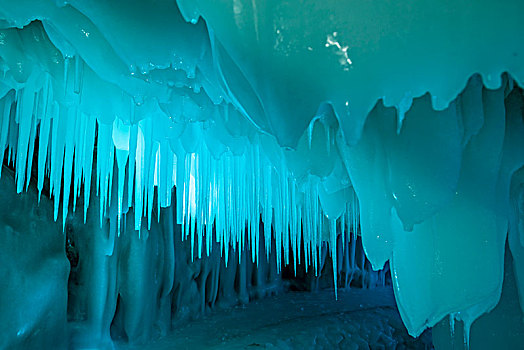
(397, 122)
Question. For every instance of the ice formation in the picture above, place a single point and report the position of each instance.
(400, 123)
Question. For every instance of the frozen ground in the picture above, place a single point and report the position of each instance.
(360, 319)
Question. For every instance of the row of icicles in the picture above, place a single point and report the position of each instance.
(238, 197)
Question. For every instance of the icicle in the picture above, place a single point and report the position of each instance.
(199, 192)
(88, 156)
(284, 197)
(333, 248)
(294, 234)
(221, 217)
(6, 117)
(25, 105)
(121, 160)
(343, 230)
(267, 209)
(133, 137)
(211, 203)
(253, 209)
(79, 74)
(403, 106)
(162, 180)
(66, 73)
(79, 155)
(467, 329)
(258, 208)
(32, 137)
(192, 203)
(452, 328)
(149, 154)
(57, 151)
(229, 204)
(310, 128)
(105, 145)
(139, 161)
(327, 130)
(153, 153)
(278, 229)
(68, 162)
(299, 234)
(356, 213)
(316, 228)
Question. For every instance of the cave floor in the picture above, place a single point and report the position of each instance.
(359, 319)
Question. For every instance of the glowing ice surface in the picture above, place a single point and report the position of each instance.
(259, 112)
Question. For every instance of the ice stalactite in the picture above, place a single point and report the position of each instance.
(128, 288)
(466, 215)
(208, 173)
(133, 288)
(121, 288)
(502, 326)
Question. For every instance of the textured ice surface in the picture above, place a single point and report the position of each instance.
(133, 288)
(33, 272)
(503, 327)
(113, 287)
(128, 288)
(361, 319)
(325, 120)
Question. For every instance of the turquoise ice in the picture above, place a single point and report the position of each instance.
(401, 118)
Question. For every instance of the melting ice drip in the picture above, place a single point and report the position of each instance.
(251, 117)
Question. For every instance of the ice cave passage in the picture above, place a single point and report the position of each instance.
(238, 174)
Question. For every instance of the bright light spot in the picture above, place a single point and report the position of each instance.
(341, 51)
(156, 179)
(192, 187)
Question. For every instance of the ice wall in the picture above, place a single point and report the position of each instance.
(324, 120)
(33, 272)
(88, 288)
(135, 286)
(503, 327)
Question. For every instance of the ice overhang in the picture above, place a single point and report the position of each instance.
(288, 112)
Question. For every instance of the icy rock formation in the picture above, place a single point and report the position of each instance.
(33, 272)
(501, 327)
(125, 287)
(134, 286)
(399, 121)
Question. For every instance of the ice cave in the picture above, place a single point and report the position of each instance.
(242, 174)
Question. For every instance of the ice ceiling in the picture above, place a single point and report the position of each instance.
(286, 112)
